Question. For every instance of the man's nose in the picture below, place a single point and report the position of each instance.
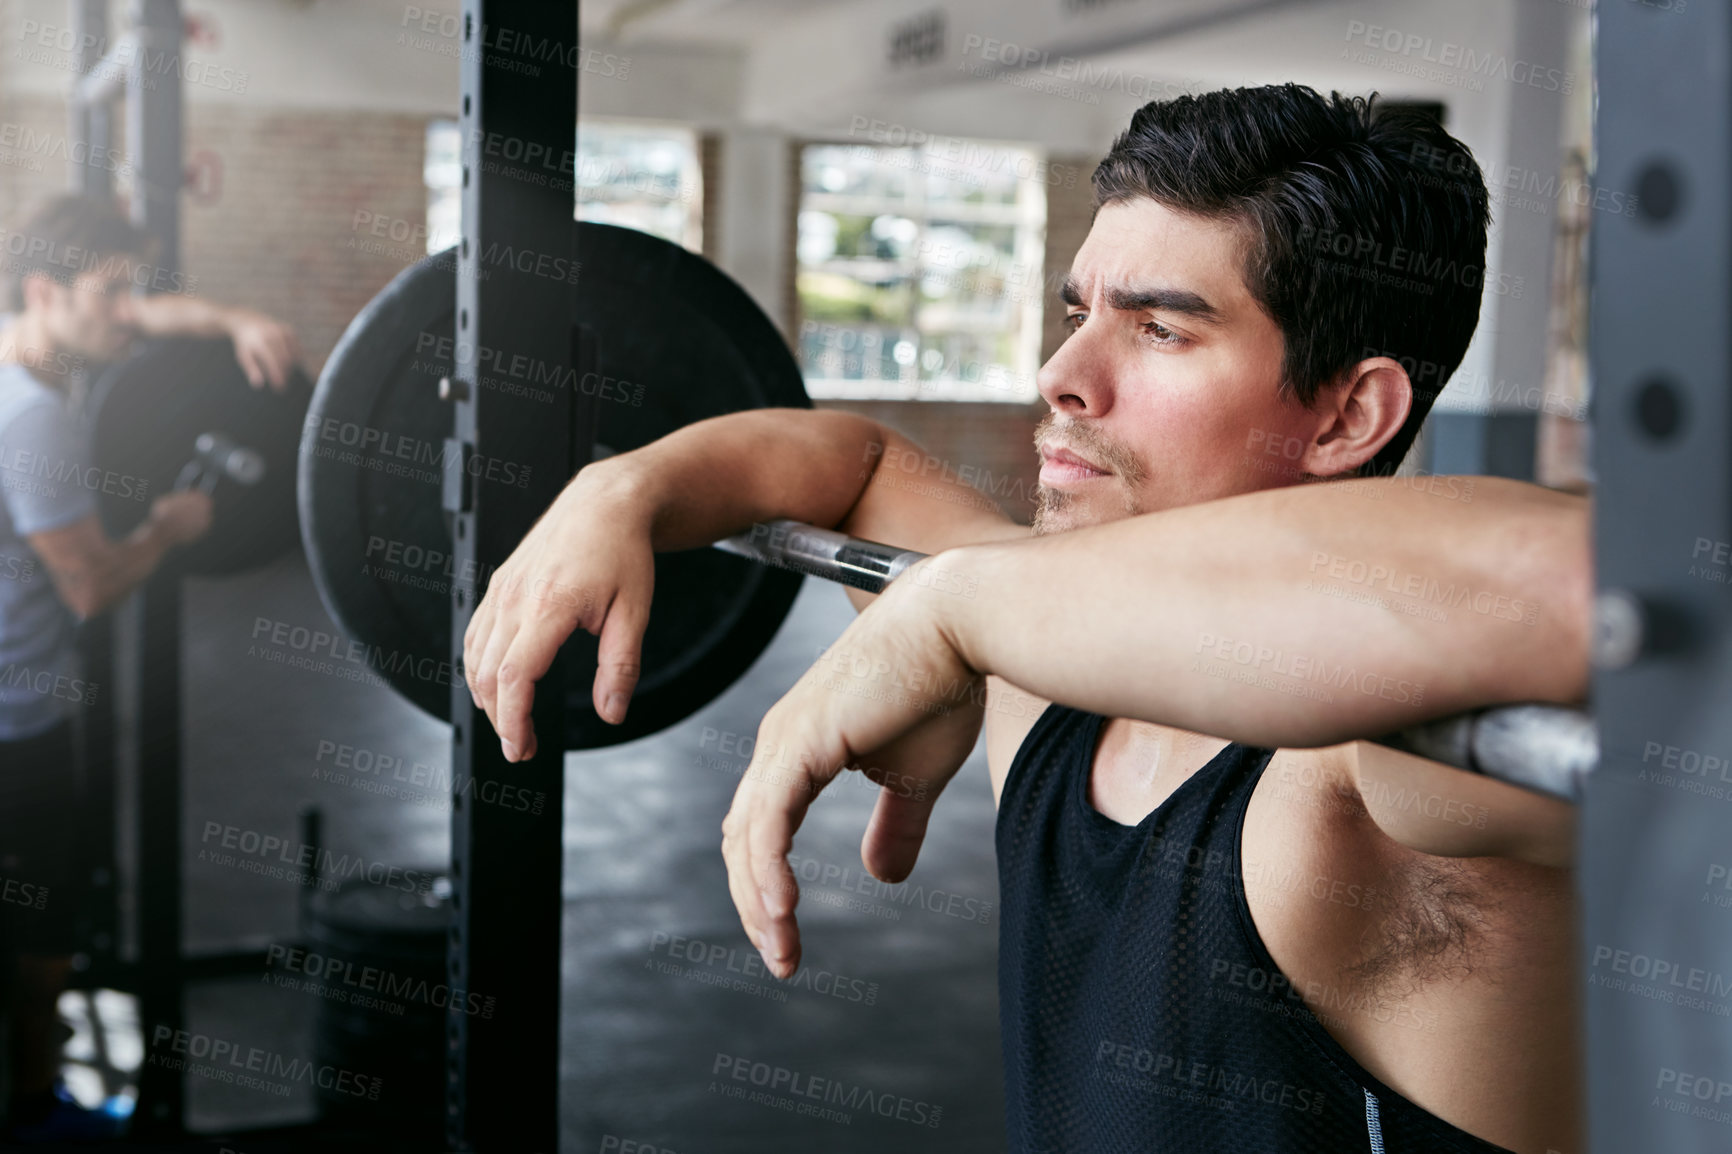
(1076, 375)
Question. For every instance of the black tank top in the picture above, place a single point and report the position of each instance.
(1139, 1008)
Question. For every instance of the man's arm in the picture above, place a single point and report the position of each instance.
(591, 554)
(1296, 617)
(90, 572)
(1299, 617)
(266, 349)
(822, 467)
(60, 522)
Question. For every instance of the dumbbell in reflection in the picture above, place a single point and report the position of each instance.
(215, 456)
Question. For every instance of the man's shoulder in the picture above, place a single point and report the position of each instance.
(18, 384)
(20, 392)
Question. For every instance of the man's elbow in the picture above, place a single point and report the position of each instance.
(1578, 567)
(82, 594)
(86, 605)
(1564, 584)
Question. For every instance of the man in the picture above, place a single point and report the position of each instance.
(1291, 945)
(75, 310)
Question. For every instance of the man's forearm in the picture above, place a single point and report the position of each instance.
(113, 572)
(715, 477)
(1297, 617)
(172, 314)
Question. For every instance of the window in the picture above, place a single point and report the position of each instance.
(442, 172)
(920, 271)
(645, 177)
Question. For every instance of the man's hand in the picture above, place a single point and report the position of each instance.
(181, 517)
(266, 348)
(892, 699)
(588, 562)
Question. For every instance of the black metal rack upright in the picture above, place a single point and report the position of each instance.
(502, 1072)
(1656, 817)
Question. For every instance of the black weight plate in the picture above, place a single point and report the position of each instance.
(379, 542)
(146, 414)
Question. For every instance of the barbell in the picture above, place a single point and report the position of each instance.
(371, 460)
(1548, 748)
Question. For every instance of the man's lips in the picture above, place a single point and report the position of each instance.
(1061, 465)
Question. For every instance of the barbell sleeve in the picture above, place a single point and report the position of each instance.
(1550, 749)
(825, 553)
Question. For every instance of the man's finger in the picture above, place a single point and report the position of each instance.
(776, 813)
(747, 903)
(284, 357)
(781, 895)
(619, 657)
(763, 886)
(475, 640)
(486, 680)
(894, 835)
(525, 662)
(250, 365)
(748, 895)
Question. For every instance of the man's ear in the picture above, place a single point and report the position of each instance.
(1360, 414)
(36, 292)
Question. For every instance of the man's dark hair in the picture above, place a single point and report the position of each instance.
(1367, 225)
(66, 236)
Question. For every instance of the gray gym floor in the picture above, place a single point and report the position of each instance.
(644, 1025)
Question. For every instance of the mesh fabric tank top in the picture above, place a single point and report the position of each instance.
(1139, 1008)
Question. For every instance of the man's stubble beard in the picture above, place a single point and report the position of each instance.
(1054, 506)
(1049, 505)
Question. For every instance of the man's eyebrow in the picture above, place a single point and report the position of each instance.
(1151, 298)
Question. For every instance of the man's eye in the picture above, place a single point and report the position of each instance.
(1162, 334)
(1074, 321)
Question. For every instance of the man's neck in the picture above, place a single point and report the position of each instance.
(24, 342)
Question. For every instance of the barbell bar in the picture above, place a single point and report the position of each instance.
(1547, 748)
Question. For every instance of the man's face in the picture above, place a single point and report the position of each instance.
(1167, 386)
(91, 318)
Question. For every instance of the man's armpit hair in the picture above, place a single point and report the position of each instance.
(1430, 925)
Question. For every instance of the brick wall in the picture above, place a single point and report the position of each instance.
(1069, 212)
(280, 233)
(995, 438)
(32, 148)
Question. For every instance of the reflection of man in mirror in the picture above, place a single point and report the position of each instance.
(72, 268)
